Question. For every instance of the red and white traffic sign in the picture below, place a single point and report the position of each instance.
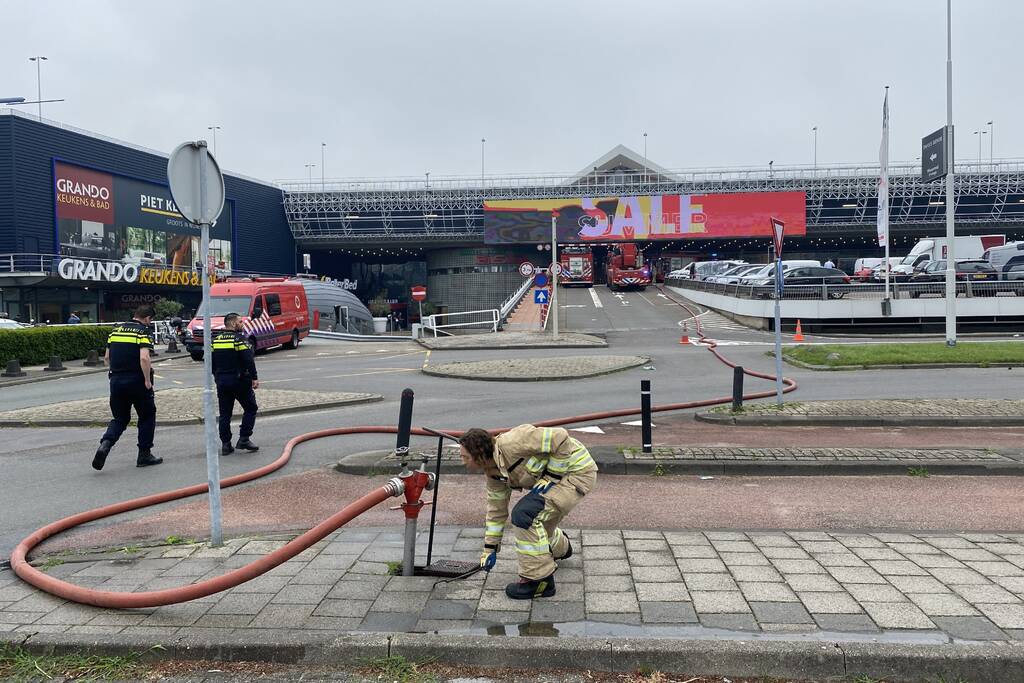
(526, 269)
(419, 293)
(778, 229)
(556, 268)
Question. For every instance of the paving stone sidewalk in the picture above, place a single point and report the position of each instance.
(919, 587)
(513, 340)
(907, 456)
(952, 412)
(535, 369)
(177, 406)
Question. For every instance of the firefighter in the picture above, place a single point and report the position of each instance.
(558, 471)
(131, 385)
(234, 370)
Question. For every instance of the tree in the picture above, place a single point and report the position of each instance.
(167, 308)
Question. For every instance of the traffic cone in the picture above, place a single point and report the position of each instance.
(685, 339)
(799, 336)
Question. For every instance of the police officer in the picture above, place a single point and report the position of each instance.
(234, 370)
(131, 386)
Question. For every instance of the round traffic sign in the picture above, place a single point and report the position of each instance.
(556, 268)
(197, 185)
(540, 280)
(419, 293)
(526, 269)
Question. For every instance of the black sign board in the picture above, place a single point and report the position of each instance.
(934, 156)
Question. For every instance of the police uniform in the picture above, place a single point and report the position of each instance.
(128, 389)
(234, 369)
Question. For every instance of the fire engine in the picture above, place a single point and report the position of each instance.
(577, 266)
(626, 268)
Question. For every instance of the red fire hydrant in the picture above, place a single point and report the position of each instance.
(414, 483)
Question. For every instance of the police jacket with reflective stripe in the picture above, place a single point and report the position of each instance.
(232, 356)
(125, 343)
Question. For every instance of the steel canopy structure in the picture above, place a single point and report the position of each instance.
(841, 200)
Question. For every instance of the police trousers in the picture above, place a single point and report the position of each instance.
(229, 390)
(539, 541)
(127, 392)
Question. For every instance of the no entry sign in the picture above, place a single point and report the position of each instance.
(419, 293)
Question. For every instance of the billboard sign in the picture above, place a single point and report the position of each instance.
(646, 217)
(106, 216)
(933, 156)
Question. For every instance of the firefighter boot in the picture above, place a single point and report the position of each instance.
(568, 553)
(226, 448)
(246, 445)
(527, 589)
(146, 458)
(102, 452)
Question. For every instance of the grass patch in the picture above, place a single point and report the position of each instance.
(910, 353)
(395, 568)
(400, 670)
(919, 472)
(50, 563)
(18, 664)
(178, 540)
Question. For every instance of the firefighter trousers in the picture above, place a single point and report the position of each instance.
(539, 541)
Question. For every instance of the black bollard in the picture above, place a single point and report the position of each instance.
(13, 369)
(92, 359)
(404, 426)
(737, 388)
(55, 365)
(645, 414)
(172, 346)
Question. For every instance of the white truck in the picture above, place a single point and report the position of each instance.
(936, 248)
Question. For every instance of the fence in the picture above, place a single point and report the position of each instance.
(866, 290)
(488, 318)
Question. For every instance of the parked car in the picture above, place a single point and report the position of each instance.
(972, 269)
(767, 271)
(809, 276)
(8, 324)
(733, 275)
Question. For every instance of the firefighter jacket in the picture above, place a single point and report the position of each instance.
(232, 356)
(523, 456)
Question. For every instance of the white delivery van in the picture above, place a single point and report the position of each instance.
(1003, 258)
(935, 248)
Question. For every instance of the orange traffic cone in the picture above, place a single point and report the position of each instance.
(799, 336)
(685, 339)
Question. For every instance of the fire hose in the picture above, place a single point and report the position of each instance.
(394, 487)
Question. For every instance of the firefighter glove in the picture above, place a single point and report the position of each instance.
(488, 558)
(542, 486)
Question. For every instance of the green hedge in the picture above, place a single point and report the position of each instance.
(35, 345)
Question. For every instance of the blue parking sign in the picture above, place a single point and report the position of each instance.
(540, 296)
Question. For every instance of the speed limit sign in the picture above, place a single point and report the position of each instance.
(526, 269)
(556, 268)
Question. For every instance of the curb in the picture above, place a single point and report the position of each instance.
(427, 370)
(91, 371)
(860, 421)
(732, 655)
(192, 420)
(602, 345)
(904, 366)
(611, 462)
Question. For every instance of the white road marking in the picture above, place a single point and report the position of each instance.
(635, 423)
(350, 352)
(597, 300)
(177, 381)
(158, 376)
(588, 430)
(647, 300)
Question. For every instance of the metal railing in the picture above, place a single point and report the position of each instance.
(510, 303)
(488, 318)
(868, 290)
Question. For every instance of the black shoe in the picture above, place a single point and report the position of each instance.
(146, 458)
(568, 553)
(226, 448)
(525, 589)
(247, 445)
(102, 452)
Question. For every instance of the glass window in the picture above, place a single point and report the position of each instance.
(222, 305)
(273, 304)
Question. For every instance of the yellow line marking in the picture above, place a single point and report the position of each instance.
(426, 359)
(158, 376)
(375, 372)
(177, 381)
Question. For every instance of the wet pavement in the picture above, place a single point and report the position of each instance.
(787, 585)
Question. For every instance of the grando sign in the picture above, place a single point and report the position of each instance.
(98, 271)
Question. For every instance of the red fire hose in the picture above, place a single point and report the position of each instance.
(117, 600)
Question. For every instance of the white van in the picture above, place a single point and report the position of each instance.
(765, 274)
(935, 248)
(1005, 257)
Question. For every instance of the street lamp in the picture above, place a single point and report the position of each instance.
(815, 131)
(427, 175)
(991, 137)
(323, 164)
(309, 171)
(771, 171)
(482, 142)
(214, 129)
(645, 157)
(39, 82)
(979, 133)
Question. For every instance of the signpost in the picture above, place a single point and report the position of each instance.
(778, 230)
(540, 296)
(554, 270)
(933, 156)
(526, 269)
(419, 295)
(197, 187)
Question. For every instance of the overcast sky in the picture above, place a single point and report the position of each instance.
(401, 88)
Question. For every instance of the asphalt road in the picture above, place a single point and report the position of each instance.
(47, 473)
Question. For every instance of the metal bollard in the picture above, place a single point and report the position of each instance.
(55, 365)
(645, 414)
(402, 452)
(737, 388)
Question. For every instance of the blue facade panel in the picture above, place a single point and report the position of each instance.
(262, 240)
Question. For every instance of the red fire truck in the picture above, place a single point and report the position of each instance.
(626, 268)
(577, 266)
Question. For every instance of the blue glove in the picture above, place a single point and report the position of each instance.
(488, 558)
(542, 486)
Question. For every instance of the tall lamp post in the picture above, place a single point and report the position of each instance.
(991, 144)
(39, 81)
(214, 129)
(309, 172)
(483, 141)
(950, 201)
(979, 133)
(815, 131)
(645, 157)
(323, 164)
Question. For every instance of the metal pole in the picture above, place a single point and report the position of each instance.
(554, 273)
(323, 158)
(951, 160)
(482, 141)
(645, 414)
(433, 508)
(991, 144)
(402, 451)
(209, 426)
(888, 266)
(645, 157)
(737, 388)
(778, 331)
(815, 131)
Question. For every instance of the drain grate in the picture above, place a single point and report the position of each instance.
(448, 569)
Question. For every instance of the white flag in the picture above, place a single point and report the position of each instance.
(883, 180)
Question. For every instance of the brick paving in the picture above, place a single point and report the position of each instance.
(908, 456)
(536, 369)
(178, 406)
(965, 586)
(918, 407)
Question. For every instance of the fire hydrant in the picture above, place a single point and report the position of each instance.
(414, 483)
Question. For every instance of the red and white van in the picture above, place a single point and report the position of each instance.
(274, 312)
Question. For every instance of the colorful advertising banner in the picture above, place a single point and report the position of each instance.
(653, 217)
(106, 216)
